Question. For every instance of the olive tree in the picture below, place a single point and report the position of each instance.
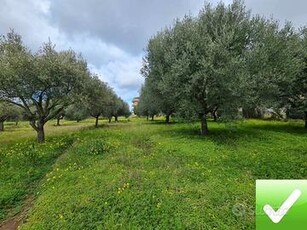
(297, 87)
(149, 104)
(116, 107)
(276, 66)
(41, 83)
(123, 109)
(7, 111)
(207, 61)
(97, 97)
(76, 112)
(156, 95)
(60, 117)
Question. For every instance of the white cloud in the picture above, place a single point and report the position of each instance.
(127, 24)
(122, 74)
(285, 10)
(30, 18)
(111, 34)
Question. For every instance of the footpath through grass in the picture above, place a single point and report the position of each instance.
(22, 166)
(23, 162)
(146, 175)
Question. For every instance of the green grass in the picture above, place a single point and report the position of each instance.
(22, 165)
(23, 131)
(23, 162)
(148, 175)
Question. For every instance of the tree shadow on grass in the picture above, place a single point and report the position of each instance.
(286, 127)
(220, 135)
(160, 122)
(232, 135)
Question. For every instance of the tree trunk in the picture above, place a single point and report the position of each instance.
(110, 119)
(58, 121)
(147, 117)
(305, 119)
(40, 132)
(96, 122)
(204, 126)
(167, 119)
(1, 126)
(214, 114)
(152, 117)
(116, 118)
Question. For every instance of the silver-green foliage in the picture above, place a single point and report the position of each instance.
(224, 60)
(41, 83)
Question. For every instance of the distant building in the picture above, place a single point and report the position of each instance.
(135, 103)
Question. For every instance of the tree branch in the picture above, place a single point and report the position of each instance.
(54, 114)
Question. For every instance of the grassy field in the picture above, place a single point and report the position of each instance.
(146, 175)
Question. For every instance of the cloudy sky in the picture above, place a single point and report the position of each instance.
(112, 34)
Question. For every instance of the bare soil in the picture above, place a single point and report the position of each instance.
(13, 222)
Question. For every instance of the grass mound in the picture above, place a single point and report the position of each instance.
(145, 175)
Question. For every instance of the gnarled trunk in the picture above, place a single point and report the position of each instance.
(116, 118)
(167, 118)
(1, 126)
(40, 132)
(110, 119)
(204, 126)
(96, 122)
(58, 121)
(214, 114)
(214, 117)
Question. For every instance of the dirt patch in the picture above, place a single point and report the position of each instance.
(13, 222)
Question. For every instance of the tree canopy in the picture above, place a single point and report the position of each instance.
(223, 60)
(8, 111)
(44, 83)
